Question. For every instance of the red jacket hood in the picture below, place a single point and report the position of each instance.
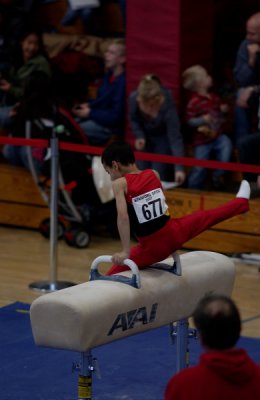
(234, 365)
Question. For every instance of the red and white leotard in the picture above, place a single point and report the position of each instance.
(158, 234)
(147, 209)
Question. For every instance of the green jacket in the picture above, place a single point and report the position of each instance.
(18, 77)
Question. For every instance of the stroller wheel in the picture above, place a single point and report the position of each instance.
(82, 239)
(44, 228)
(79, 238)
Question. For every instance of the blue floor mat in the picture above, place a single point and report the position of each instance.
(136, 368)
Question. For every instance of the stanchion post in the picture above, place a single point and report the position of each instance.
(53, 284)
(54, 211)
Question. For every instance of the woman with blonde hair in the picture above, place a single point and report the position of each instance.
(156, 128)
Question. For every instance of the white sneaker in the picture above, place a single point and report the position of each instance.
(244, 190)
(168, 185)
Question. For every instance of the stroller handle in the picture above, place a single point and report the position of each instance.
(134, 280)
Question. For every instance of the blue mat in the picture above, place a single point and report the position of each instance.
(136, 368)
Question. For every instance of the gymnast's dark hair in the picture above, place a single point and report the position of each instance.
(118, 151)
(218, 321)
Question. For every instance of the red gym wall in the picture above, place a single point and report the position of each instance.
(165, 37)
(153, 41)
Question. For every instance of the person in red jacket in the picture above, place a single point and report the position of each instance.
(142, 209)
(224, 372)
(206, 115)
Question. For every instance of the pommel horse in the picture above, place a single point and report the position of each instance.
(107, 308)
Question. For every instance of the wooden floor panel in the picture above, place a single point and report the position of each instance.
(25, 259)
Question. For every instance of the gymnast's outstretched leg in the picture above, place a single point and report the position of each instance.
(160, 245)
(192, 225)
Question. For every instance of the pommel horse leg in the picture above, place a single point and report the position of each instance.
(86, 367)
(180, 332)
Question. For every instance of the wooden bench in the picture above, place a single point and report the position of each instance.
(20, 201)
(235, 235)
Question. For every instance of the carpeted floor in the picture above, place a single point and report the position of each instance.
(136, 368)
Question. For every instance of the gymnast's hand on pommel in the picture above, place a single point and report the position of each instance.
(119, 258)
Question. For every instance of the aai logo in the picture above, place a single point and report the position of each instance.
(131, 318)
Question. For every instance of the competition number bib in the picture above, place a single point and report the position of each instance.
(150, 205)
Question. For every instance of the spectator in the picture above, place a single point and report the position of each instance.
(14, 16)
(247, 75)
(155, 125)
(205, 114)
(86, 12)
(249, 151)
(73, 72)
(28, 58)
(103, 117)
(37, 104)
(224, 372)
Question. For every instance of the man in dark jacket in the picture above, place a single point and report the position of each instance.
(247, 75)
(224, 372)
(104, 117)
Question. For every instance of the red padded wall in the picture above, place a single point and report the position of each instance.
(165, 37)
(153, 42)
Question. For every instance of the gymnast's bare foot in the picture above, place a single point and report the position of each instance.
(244, 190)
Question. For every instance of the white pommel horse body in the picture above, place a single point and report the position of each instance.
(105, 309)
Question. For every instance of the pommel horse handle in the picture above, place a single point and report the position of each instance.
(177, 263)
(174, 268)
(134, 280)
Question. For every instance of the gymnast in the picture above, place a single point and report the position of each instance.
(142, 209)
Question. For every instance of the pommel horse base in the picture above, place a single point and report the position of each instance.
(108, 308)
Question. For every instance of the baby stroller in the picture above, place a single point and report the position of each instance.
(79, 205)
